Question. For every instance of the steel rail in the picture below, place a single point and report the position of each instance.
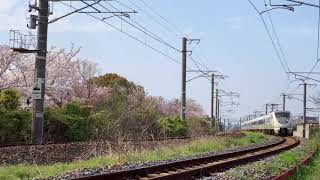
(189, 169)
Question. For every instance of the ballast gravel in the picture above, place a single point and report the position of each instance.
(253, 172)
(106, 170)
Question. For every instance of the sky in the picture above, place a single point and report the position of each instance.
(234, 42)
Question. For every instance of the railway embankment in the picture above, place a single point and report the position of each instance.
(132, 158)
(310, 169)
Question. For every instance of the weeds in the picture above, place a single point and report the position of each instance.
(311, 171)
(163, 152)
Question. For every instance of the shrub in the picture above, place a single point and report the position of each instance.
(71, 123)
(125, 116)
(15, 126)
(173, 126)
(199, 127)
(9, 99)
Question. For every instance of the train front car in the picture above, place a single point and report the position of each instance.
(282, 123)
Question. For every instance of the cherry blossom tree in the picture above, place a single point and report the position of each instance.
(67, 76)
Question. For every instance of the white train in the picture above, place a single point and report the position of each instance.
(275, 122)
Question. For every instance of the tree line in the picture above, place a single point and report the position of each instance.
(79, 105)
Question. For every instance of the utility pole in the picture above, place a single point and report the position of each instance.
(184, 78)
(283, 101)
(217, 108)
(304, 108)
(40, 71)
(228, 124)
(184, 75)
(217, 102)
(212, 101)
(213, 77)
(266, 109)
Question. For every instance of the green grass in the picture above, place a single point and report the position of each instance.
(196, 146)
(311, 171)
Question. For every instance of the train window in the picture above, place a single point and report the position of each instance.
(261, 122)
(268, 121)
(283, 114)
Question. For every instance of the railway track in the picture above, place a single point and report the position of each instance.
(204, 166)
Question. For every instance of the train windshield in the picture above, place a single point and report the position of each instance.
(283, 117)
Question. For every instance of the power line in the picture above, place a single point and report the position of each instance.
(167, 28)
(277, 38)
(127, 34)
(163, 18)
(124, 5)
(133, 37)
(142, 29)
(196, 63)
(266, 27)
(318, 43)
(152, 33)
(204, 57)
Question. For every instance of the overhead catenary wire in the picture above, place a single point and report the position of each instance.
(140, 28)
(175, 29)
(318, 44)
(198, 68)
(135, 38)
(270, 36)
(127, 34)
(167, 28)
(149, 32)
(277, 37)
(163, 18)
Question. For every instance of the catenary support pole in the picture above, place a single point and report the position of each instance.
(304, 108)
(212, 101)
(184, 78)
(284, 102)
(40, 71)
(217, 110)
(266, 109)
(228, 127)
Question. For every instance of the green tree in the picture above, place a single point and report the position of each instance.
(9, 99)
(15, 124)
(70, 123)
(115, 81)
(173, 126)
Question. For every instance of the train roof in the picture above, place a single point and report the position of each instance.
(264, 116)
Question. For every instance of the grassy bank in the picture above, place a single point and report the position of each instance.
(311, 171)
(194, 147)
